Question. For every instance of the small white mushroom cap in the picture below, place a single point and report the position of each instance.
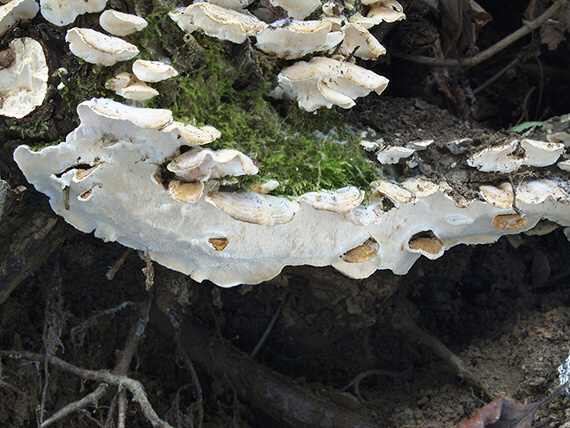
(153, 71)
(103, 108)
(324, 82)
(396, 194)
(231, 4)
(64, 12)
(393, 154)
(297, 9)
(194, 135)
(23, 85)
(359, 42)
(120, 23)
(219, 22)
(200, 164)
(338, 201)
(292, 39)
(127, 86)
(564, 165)
(15, 11)
(380, 11)
(98, 48)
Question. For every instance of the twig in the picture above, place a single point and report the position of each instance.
(89, 400)
(118, 263)
(356, 381)
(271, 323)
(494, 78)
(102, 376)
(181, 352)
(465, 63)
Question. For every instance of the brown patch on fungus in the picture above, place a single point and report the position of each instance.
(426, 242)
(185, 192)
(363, 252)
(219, 243)
(509, 221)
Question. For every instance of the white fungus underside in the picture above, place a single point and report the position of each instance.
(126, 205)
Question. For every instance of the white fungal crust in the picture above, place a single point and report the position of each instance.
(324, 82)
(297, 9)
(120, 23)
(291, 39)
(204, 164)
(15, 11)
(219, 22)
(97, 48)
(108, 168)
(23, 84)
(64, 12)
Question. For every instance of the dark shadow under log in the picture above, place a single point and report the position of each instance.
(261, 387)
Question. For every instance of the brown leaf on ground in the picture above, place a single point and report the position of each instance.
(551, 34)
(501, 413)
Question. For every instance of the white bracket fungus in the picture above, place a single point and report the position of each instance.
(324, 82)
(108, 169)
(393, 154)
(120, 23)
(15, 11)
(232, 4)
(23, 84)
(98, 48)
(219, 22)
(127, 86)
(291, 39)
(380, 11)
(359, 42)
(153, 71)
(297, 9)
(64, 12)
(501, 158)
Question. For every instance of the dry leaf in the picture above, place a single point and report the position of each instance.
(501, 413)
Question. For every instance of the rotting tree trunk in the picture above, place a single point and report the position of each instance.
(261, 387)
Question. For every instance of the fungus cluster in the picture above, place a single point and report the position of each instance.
(122, 174)
(137, 176)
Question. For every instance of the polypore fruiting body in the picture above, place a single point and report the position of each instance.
(16, 11)
(297, 9)
(127, 86)
(231, 4)
(120, 23)
(219, 22)
(153, 71)
(106, 178)
(23, 84)
(359, 42)
(97, 48)
(293, 39)
(324, 82)
(64, 12)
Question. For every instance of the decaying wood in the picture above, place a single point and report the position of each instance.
(261, 387)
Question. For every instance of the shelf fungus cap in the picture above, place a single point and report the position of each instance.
(496, 158)
(251, 207)
(153, 71)
(203, 164)
(15, 11)
(104, 108)
(359, 42)
(231, 4)
(541, 153)
(194, 135)
(219, 22)
(129, 87)
(297, 9)
(338, 201)
(120, 23)
(23, 84)
(393, 154)
(64, 12)
(292, 39)
(98, 48)
(324, 82)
